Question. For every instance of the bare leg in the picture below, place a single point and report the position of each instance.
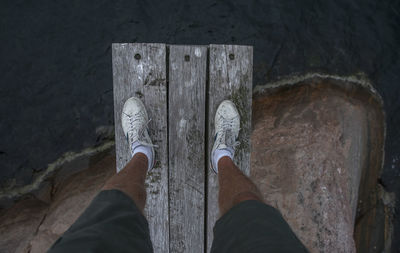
(234, 186)
(130, 180)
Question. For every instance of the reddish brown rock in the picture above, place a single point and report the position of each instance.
(311, 144)
(33, 225)
(19, 224)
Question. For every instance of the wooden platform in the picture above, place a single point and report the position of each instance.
(182, 87)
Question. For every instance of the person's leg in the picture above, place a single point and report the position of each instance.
(130, 180)
(234, 186)
(247, 224)
(114, 220)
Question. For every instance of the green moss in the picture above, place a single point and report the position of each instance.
(154, 192)
(154, 176)
(157, 165)
(239, 98)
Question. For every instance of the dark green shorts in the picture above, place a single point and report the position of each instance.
(113, 223)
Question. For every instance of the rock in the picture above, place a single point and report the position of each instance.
(19, 223)
(34, 224)
(312, 145)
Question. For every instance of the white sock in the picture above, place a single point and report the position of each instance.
(219, 153)
(146, 150)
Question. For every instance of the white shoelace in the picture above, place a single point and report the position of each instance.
(228, 138)
(139, 133)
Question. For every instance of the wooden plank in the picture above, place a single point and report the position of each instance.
(187, 85)
(230, 77)
(140, 70)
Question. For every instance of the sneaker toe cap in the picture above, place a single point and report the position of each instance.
(228, 110)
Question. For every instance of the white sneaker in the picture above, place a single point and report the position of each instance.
(227, 127)
(134, 121)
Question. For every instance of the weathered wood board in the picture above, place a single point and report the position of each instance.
(176, 206)
(230, 77)
(187, 107)
(140, 70)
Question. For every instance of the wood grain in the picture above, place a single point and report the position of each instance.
(187, 87)
(230, 77)
(140, 70)
(181, 165)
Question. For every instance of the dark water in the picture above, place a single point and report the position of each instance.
(56, 77)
